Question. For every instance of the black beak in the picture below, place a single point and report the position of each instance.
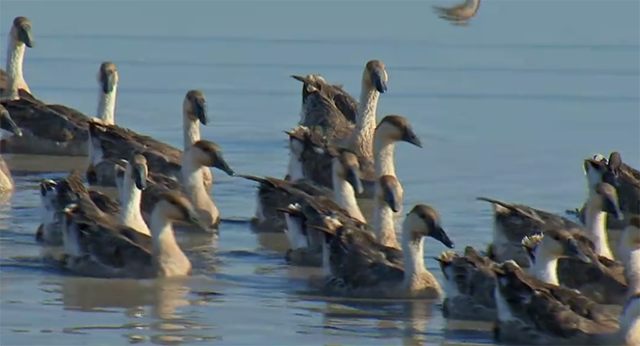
(411, 137)
(440, 235)
(140, 176)
(574, 250)
(200, 110)
(222, 165)
(611, 206)
(24, 34)
(354, 179)
(7, 124)
(392, 198)
(378, 80)
(108, 81)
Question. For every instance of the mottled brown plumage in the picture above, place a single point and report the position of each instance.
(459, 14)
(345, 103)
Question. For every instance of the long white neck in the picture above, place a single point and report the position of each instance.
(191, 130)
(412, 252)
(168, 257)
(107, 106)
(545, 267)
(6, 181)
(326, 264)
(384, 223)
(383, 151)
(630, 324)
(297, 239)
(362, 136)
(15, 79)
(295, 169)
(632, 270)
(192, 177)
(130, 213)
(345, 196)
(595, 220)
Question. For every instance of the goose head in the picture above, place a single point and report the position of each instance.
(396, 128)
(7, 126)
(209, 154)
(555, 244)
(605, 198)
(48, 194)
(390, 192)
(347, 168)
(137, 171)
(195, 106)
(423, 220)
(174, 207)
(598, 169)
(375, 76)
(108, 77)
(21, 32)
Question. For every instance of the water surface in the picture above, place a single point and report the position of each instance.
(507, 107)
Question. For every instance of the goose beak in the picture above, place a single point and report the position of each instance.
(7, 124)
(411, 137)
(222, 165)
(378, 81)
(196, 221)
(354, 179)
(392, 198)
(440, 235)
(200, 110)
(140, 176)
(574, 250)
(24, 34)
(108, 82)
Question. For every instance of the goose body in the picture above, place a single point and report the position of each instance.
(470, 278)
(97, 245)
(345, 103)
(534, 312)
(321, 113)
(108, 142)
(48, 129)
(8, 129)
(357, 269)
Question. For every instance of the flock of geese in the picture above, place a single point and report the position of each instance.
(544, 279)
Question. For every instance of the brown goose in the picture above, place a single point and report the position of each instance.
(97, 245)
(20, 37)
(459, 14)
(469, 278)
(538, 313)
(111, 142)
(358, 269)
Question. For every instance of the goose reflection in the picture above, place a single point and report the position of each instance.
(459, 14)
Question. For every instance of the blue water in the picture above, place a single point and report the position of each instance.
(507, 107)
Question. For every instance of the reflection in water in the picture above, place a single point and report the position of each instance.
(163, 297)
(459, 14)
(407, 320)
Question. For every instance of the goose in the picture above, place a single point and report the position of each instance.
(542, 314)
(134, 180)
(324, 115)
(50, 230)
(461, 13)
(274, 194)
(390, 130)
(20, 37)
(602, 280)
(359, 270)
(345, 103)
(99, 246)
(8, 128)
(201, 154)
(305, 247)
(108, 81)
(109, 142)
(512, 222)
(629, 333)
(470, 279)
(625, 178)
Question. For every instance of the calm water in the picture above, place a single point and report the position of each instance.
(507, 107)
